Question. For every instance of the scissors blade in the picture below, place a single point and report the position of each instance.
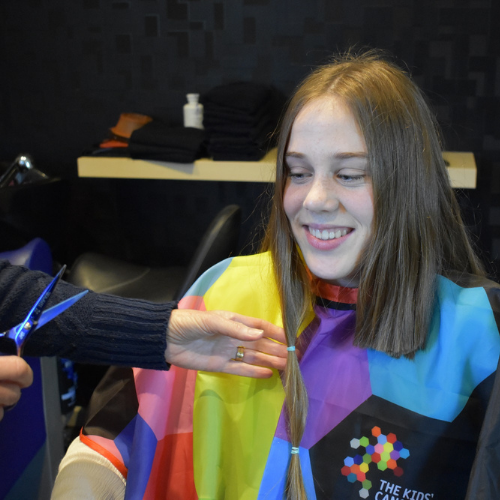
(54, 311)
(23, 330)
(11, 342)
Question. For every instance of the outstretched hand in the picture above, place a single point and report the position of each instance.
(209, 341)
(15, 374)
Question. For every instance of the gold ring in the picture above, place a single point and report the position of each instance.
(240, 352)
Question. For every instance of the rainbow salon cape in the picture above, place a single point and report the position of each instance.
(378, 427)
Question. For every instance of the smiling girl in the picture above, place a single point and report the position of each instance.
(363, 200)
(367, 264)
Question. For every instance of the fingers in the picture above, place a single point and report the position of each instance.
(262, 359)
(9, 393)
(270, 331)
(15, 370)
(262, 352)
(225, 323)
(268, 347)
(248, 328)
(15, 374)
(186, 325)
(245, 370)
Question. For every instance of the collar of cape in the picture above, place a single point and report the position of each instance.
(333, 296)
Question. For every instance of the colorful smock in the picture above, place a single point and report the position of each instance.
(378, 427)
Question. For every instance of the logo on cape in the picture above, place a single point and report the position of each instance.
(385, 452)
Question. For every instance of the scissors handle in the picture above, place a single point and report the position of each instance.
(13, 340)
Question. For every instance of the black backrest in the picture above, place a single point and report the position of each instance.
(219, 242)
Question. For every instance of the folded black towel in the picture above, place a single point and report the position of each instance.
(250, 155)
(250, 134)
(219, 123)
(142, 152)
(157, 133)
(240, 120)
(247, 97)
(259, 137)
(158, 141)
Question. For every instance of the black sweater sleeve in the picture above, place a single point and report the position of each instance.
(99, 328)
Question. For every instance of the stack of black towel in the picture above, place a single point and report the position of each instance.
(158, 141)
(240, 119)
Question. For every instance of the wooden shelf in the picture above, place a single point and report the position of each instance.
(462, 169)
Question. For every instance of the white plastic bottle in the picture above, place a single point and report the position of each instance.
(193, 112)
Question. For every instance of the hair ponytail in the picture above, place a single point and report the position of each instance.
(295, 300)
(296, 409)
(296, 400)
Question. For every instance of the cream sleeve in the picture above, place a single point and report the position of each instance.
(84, 475)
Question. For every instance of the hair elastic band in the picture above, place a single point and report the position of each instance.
(295, 450)
(291, 348)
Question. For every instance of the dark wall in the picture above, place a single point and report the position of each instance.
(70, 68)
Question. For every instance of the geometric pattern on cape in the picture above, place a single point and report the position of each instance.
(440, 453)
(353, 374)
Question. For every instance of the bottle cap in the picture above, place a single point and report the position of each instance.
(193, 97)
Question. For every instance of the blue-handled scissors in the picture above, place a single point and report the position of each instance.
(12, 341)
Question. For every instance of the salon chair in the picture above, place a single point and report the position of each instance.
(104, 274)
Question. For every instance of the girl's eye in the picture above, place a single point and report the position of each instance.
(351, 179)
(298, 176)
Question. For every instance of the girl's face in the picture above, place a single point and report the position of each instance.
(328, 195)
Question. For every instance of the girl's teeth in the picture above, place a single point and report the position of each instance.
(328, 235)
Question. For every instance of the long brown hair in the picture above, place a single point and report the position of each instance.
(417, 231)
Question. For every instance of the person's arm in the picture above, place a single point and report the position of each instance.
(107, 329)
(15, 374)
(99, 328)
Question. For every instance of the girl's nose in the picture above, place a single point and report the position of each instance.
(322, 197)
